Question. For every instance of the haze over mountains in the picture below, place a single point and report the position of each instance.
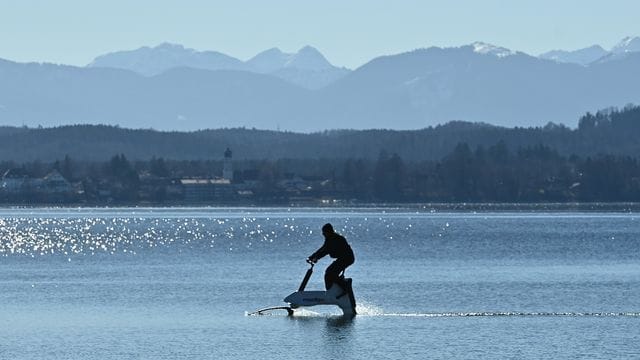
(169, 87)
(307, 68)
(594, 53)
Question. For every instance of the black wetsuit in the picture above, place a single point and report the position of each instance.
(336, 246)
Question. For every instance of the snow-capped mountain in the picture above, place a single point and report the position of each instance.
(581, 56)
(307, 58)
(434, 84)
(627, 45)
(484, 48)
(594, 53)
(307, 68)
(424, 87)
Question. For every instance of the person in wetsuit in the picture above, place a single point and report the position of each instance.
(336, 246)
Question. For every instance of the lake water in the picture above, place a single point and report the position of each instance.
(178, 283)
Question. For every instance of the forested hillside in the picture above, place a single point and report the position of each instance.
(457, 162)
(614, 132)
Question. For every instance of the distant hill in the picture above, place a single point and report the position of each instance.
(581, 56)
(181, 98)
(607, 132)
(151, 61)
(476, 83)
(307, 68)
(435, 85)
(594, 53)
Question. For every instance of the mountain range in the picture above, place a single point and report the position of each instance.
(594, 53)
(170, 87)
(307, 68)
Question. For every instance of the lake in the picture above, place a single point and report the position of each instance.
(169, 283)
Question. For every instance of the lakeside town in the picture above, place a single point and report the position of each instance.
(495, 174)
(19, 186)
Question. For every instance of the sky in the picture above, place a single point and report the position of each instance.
(348, 32)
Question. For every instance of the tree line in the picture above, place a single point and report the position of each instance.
(495, 173)
(611, 131)
(455, 162)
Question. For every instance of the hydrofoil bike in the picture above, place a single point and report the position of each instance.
(336, 295)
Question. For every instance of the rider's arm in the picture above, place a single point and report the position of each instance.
(319, 254)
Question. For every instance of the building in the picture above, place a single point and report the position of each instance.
(55, 183)
(18, 186)
(227, 168)
(14, 181)
(199, 190)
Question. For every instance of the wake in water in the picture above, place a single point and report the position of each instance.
(514, 314)
(369, 310)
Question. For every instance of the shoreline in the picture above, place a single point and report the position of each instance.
(421, 207)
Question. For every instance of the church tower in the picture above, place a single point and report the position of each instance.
(227, 169)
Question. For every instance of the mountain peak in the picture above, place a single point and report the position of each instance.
(155, 60)
(485, 48)
(583, 56)
(269, 60)
(308, 58)
(272, 51)
(627, 45)
(308, 49)
(170, 46)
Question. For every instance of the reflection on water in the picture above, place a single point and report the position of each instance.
(338, 338)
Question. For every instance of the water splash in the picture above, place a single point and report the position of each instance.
(367, 309)
(509, 314)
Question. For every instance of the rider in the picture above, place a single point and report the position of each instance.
(336, 246)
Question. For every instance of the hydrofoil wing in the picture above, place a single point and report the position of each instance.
(334, 296)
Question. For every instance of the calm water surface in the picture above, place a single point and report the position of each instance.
(179, 282)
